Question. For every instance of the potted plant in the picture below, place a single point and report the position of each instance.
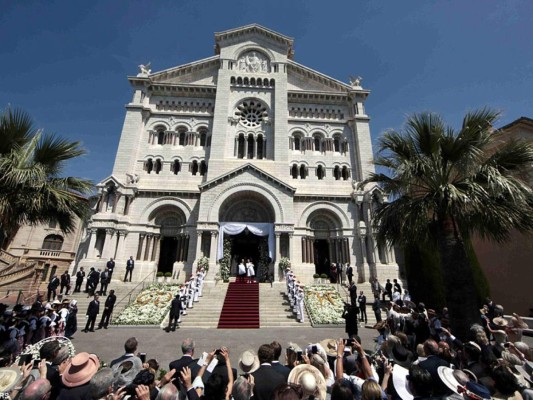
(284, 264)
(160, 276)
(324, 278)
(203, 263)
(168, 276)
(315, 277)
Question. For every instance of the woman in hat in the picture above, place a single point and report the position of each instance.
(71, 325)
(515, 328)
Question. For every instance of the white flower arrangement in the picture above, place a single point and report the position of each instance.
(324, 304)
(149, 307)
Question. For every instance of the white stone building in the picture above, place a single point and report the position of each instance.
(245, 136)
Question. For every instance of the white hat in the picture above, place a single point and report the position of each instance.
(399, 378)
(310, 379)
(248, 362)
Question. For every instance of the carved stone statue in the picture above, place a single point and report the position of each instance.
(144, 69)
(253, 61)
(355, 81)
(132, 178)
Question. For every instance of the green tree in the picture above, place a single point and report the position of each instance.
(32, 189)
(445, 185)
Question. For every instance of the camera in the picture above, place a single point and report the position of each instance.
(24, 359)
(218, 351)
(142, 356)
(314, 349)
(130, 389)
(299, 356)
(348, 342)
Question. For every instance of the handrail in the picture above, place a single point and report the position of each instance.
(134, 289)
(18, 272)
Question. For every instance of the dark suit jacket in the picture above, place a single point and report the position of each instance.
(130, 264)
(94, 308)
(431, 364)
(175, 307)
(282, 369)
(266, 380)
(220, 369)
(110, 301)
(52, 374)
(75, 393)
(185, 361)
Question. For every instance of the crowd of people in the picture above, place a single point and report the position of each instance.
(295, 292)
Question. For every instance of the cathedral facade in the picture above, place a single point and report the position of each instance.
(247, 150)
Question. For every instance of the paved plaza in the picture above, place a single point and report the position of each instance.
(165, 347)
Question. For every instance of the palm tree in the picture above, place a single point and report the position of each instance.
(31, 187)
(447, 184)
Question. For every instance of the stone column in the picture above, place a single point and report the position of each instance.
(120, 245)
(108, 244)
(304, 252)
(375, 250)
(156, 247)
(278, 256)
(213, 248)
(364, 264)
(291, 247)
(118, 197)
(140, 246)
(148, 247)
(92, 243)
(198, 245)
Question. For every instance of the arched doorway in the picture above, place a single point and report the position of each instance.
(174, 241)
(248, 207)
(325, 228)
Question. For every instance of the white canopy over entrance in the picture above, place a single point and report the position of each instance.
(257, 228)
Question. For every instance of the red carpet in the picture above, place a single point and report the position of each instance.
(241, 307)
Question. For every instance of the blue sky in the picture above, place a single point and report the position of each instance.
(66, 62)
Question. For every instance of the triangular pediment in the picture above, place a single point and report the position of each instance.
(202, 72)
(253, 32)
(300, 77)
(110, 180)
(250, 168)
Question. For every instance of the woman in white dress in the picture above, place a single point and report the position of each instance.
(242, 271)
(250, 271)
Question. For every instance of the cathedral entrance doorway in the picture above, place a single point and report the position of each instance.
(168, 254)
(244, 245)
(322, 259)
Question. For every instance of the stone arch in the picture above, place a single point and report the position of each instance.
(251, 47)
(324, 206)
(246, 206)
(170, 219)
(149, 211)
(157, 123)
(267, 194)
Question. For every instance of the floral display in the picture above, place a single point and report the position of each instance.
(149, 307)
(324, 304)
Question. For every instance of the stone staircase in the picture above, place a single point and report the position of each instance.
(122, 290)
(274, 307)
(206, 312)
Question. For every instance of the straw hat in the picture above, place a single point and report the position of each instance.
(447, 377)
(499, 321)
(248, 362)
(310, 379)
(9, 377)
(330, 346)
(399, 378)
(81, 369)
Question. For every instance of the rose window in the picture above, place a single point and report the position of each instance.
(251, 113)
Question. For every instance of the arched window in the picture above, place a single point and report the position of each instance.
(252, 81)
(149, 165)
(316, 143)
(194, 167)
(303, 171)
(272, 82)
(157, 166)
(232, 80)
(260, 147)
(345, 173)
(203, 168)
(265, 82)
(337, 173)
(320, 172)
(182, 138)
(337, 144)
(240, 146)
(52, 224)
(239, 81)
(246, 81)
(294, 171)
(160, 137)
(52, 242)
(176, 167)
(203, 137)
(250, 147)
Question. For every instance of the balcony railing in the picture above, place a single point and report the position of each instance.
(35, 254)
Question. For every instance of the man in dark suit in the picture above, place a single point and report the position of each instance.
(339, 273)
(188, 360)
(349, 273)
(362, 306)
(52, 287)
(89, 280)
(79, 280)
(94, 278)
(104, 281)
(110, 267)
(108, 310)
(130, 348)
(130, 264)
(266, 378)
(353, 294)
(388, 290)
(65, 282)
(175, 312)
(431, 364)
(282, 369)
(92, 312)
